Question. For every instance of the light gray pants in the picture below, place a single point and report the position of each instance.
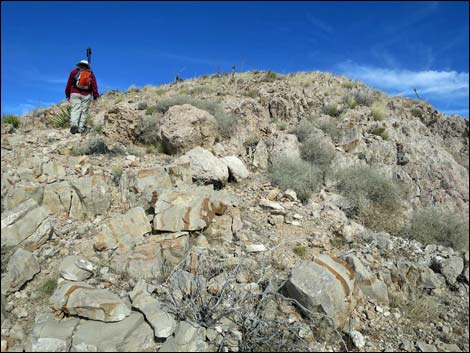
(79, 111)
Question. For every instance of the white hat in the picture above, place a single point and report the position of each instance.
(83, 62)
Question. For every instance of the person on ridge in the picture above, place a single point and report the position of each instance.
(80, 90)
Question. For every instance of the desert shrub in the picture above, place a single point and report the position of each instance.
(362, 97)
(150, 110)
(252, 93)
(331, 109)
(317, 151)
(417, 112)
(61, 120)
(94, 145)
(330, 128)
(269, 76)
(116, 172)
(379, 111)
(298, 175)
(380, 131)
(133, 89)
(148, 130)
(11, 119)
(438, 226)
(370, 194)
(303, 130)
(300, 251)
(282, 125)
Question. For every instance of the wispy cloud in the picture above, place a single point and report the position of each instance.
(319, 24)
(449, 87)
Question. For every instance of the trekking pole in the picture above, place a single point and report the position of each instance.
(88, 55)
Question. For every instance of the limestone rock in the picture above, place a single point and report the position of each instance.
(284, 146)
(76, 268)
(236, 167)
(123, 231)
(27, 224)
(370, 285)
(184, 127)
(452, 268)
(325, 285)
(261, 156)
(186, 209)
(132, 334)
(220, 228)
(163, 323)
(51, 335)
(189, 337)
(205, 166)
(78, 298)
(21, 268)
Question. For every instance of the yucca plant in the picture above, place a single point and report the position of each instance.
(61, 120)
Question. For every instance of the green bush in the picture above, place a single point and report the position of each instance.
(438, 226)
(298, 175)
(330, 128)
(269, 76)
(349, 84)
(318, 152)
(372, 197)
(358, 97)
(226, 122)
(150, 110)
(61, 120)
(11, 119)
(48, 287)
(331, 109)
(350, 101)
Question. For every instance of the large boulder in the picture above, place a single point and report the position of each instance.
(186, 209)
(27, 224)
(123, 231)
(79, 298)
(205, 166)
(324, 286)
(184, 127)
(236, 168)
(284, 145)
(21, 268)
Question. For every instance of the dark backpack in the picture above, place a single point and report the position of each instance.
(83, 79)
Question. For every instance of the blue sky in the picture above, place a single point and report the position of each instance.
(392, 46)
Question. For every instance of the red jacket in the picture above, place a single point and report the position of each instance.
(70, 88)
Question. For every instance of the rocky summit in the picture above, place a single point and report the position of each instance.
(237, 212)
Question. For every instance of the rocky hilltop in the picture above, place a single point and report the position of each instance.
(237, 212)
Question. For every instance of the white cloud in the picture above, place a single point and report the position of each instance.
(449, 88)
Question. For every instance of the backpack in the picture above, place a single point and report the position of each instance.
(83, 79)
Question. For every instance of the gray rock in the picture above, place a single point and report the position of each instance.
(2, 307)
(357, 338)
(96, 336)
(370, 285)
(205, 166)
(123, 231)
(76, 268)
(22, 193)
(452, 268)
(325, 285)
(431, 280)
(284, 146)
(27, 224)
(189, 337)
(163, 323)
(78, 298)
(51, 335)
(187, 209)
(261, 156)
(424, 347)
(236, 167)
(444, 347)
(183, 127)
(21, 268)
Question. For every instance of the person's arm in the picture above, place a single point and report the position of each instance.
(68, 88)
(94, 86)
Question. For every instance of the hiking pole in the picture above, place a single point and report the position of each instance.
(416, 92)
(88, 55)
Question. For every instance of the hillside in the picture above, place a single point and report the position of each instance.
(244, 212)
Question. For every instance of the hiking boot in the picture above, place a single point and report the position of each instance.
(74, 129)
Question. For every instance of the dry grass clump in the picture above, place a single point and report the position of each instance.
(379, 111)
(438, 226)
(11, 119)
(298, 175)
(317, 151)
(331, 109)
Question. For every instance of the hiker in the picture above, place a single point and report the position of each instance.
(80, 90)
